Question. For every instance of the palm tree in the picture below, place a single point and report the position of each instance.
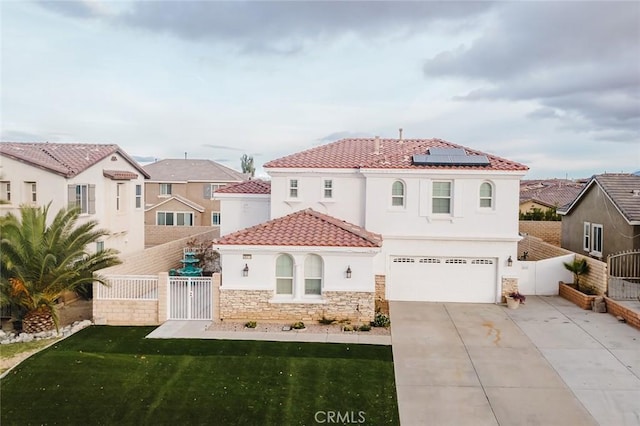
(578, 267)
(39, 262)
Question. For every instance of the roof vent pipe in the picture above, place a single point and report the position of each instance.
(376, 145)
(636, 192)
(400, 131)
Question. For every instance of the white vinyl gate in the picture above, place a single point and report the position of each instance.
(190, 298)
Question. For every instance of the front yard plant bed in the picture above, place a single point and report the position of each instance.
(112, 375)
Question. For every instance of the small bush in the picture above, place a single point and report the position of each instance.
(298, 325)
(381, 320)
(327, 321)
(347, 327)
(364, 327)
(251, 324)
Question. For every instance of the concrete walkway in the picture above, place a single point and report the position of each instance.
(546, 363)
(175, 329)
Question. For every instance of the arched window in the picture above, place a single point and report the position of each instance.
(284, 274)
(486, 195)
(397, 194)
(313, 274)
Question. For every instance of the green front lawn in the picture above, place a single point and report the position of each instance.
(112, 375)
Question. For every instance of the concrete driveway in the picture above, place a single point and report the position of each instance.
(546, 363)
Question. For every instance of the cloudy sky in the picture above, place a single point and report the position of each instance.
(554, 85)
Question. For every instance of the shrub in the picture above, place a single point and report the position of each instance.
(327, 321)
(251, 324)
(517, 296)
(298, 325)
(347, 327)
(364, 327)
(381, 320)
(577, 267)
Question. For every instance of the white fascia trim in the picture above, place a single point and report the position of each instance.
(485, 238)
(445, 173)
(225, 195)
(356, 251)
(309, 172)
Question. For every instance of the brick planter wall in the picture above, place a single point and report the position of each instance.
(255, 305)
(571, 294)
(631, 317)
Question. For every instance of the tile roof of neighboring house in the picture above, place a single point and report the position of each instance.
(304, 228)
(65, 159)
(390, 154)
(181, 199)
(550, 192)
(119, 174)
(255, 186)
(180, 170)
(623, 189)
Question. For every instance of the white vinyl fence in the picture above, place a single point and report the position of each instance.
(541, 277)
(128, 287)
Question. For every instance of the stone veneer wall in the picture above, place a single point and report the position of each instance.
(255, 305)
(381, 302)
(509, 285)
(548, 231)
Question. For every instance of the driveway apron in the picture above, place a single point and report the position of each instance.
(482, 364)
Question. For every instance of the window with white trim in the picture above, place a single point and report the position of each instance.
(397, 194)
(99, 246)
(486, 195)
(5, 190)
(32, 192)
(138, 196)
(596, 240)
(313, 275)
(327, 189)
(441, 198)
(586, 237)
(293, 188)
(214, 188)
(165, 189)
(119, 193)
(174, 218)
(284, 275)
(82, 196)
(215, 218)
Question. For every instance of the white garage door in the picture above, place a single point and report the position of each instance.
(442, 279)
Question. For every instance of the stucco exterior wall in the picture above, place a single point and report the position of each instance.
(595, 208)
(125, 224)
(240, 211)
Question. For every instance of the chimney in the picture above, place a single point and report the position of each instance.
(400, 131)
(376, 145)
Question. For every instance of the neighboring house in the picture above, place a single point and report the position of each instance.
(604, 218)
(547, 194)
(244, 204)
(447, 217)
(182, 192)
(102, 180)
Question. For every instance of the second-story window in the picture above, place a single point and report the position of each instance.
(486, 195)
(441, 198)
(215, 218)
(165, 189)
(138, 196)
(119, 190)
(293, 188)
(32, 191)
(328, 188)
(397, 194)
(5, 191)
(83, 196)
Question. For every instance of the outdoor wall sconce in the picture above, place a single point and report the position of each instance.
(348, 272)
(245, 271)
(509, 261)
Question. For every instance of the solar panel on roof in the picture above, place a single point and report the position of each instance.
(449, 156)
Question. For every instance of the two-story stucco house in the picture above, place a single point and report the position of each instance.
(101, 179)
(416, 219)
(180, 194)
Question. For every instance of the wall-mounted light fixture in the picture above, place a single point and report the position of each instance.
(245, 271)
(348, 272)
(509, 261)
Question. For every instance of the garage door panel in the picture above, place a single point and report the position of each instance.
(442, 279)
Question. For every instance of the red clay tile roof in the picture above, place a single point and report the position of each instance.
(255, 186)
(66, 159)
(304, 228)
(119, 174)
(392, 154)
